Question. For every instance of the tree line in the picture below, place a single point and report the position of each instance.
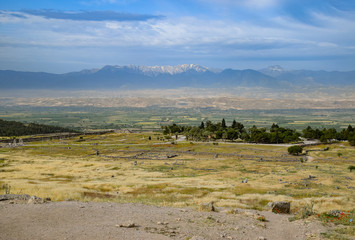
(13, 128)
(276, 134)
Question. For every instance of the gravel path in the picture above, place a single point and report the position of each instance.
(86, 221)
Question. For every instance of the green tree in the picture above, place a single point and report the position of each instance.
(295, 150)
(224, 123)
(234, 124)
(274, 128)
(351, 138)
(238, 126)
(232, 134)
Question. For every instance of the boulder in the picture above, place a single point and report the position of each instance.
(129, 224)
(280, 207)
(209, 207)
(35, 200)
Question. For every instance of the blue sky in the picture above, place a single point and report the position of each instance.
(63, 36)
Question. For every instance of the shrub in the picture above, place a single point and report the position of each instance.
(6, 188)
(295, 150)
(351, 168)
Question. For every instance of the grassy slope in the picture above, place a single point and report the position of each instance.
(70, 169)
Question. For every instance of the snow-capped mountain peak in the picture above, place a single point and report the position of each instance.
(156, 70)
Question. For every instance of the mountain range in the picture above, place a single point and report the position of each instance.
(164, 77)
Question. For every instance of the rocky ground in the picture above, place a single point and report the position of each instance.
(32, 218)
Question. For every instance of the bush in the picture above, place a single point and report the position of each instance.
(295, 150)
(351, 168)
(261, 218)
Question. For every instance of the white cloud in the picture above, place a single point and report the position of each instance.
(246, 3)
(327, 44)
(187, 31)
(183, 37)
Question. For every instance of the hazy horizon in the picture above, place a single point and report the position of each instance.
(210, 68)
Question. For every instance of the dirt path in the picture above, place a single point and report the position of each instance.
(78, 220)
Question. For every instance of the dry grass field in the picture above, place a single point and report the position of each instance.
(132, 168)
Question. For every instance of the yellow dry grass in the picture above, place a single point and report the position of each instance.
(70, 169)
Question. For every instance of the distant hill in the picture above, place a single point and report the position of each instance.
(13, 128)
(163, 77)
(308, 77)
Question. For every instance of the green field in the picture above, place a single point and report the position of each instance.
(152, 118)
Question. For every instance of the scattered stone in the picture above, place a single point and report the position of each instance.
(135, 163)
(245, 181)
(262, 225)
(337, 188)
(223, 235)
(162, 223)
(128, 225)
(6, 197)
(208, 207)
(262, 238)
(171, 155)
(236, 211)
(216, 156)
(35, 200)
(311, 177)
(249, 213)
(280, 207)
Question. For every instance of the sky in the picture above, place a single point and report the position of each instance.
(70, 35)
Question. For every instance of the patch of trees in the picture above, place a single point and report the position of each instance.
(328, 135)
(215, 131)
(13, 128)
(276, 134)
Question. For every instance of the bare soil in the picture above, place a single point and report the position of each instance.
(92, 220)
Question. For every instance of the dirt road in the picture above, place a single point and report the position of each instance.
(86, 221)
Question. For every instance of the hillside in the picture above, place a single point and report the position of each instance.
(165, 77)
(13, 128)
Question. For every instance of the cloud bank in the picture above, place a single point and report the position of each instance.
(90, 15)
(223, 34)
